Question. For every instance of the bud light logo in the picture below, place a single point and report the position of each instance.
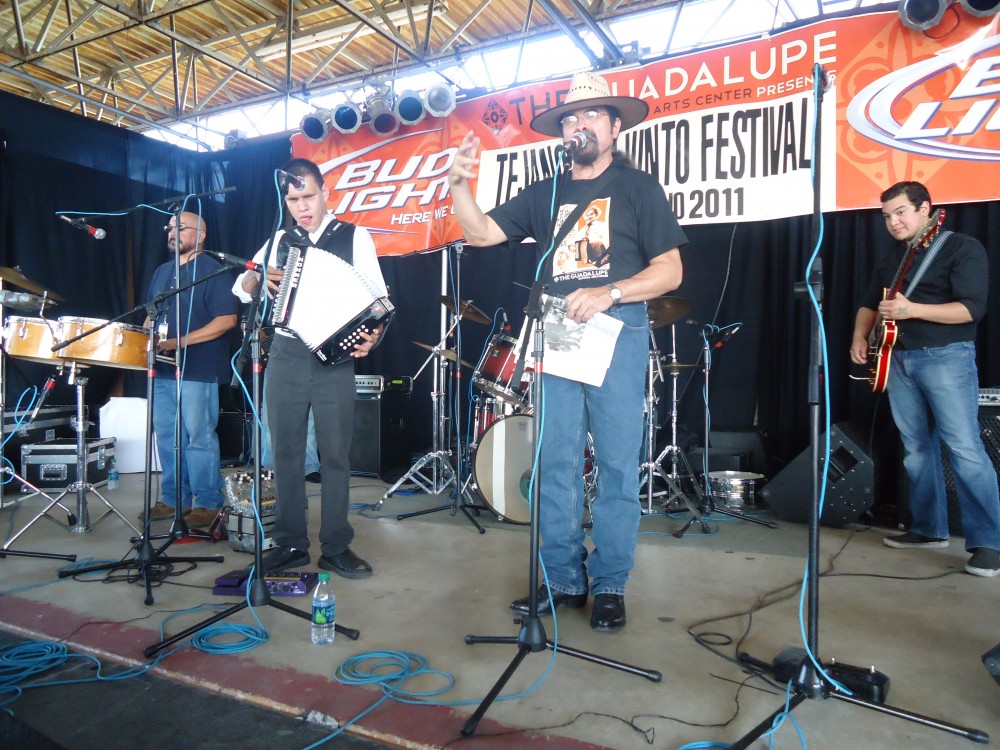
(943, 107)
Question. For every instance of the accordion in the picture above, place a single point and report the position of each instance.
(327, 303)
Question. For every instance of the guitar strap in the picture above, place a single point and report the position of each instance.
(926, 262)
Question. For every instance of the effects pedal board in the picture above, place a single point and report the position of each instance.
(234, 583)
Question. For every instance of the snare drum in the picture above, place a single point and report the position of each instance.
(33, 338)
(495, 372)
(501, 468)
(735, 489)
(115, 345)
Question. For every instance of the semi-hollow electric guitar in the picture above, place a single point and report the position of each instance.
(883, 334)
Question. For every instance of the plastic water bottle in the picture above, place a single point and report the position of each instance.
(113, 475)
(324, 607)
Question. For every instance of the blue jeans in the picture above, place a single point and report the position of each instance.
(201, 478)
(612, 414)
(266, 458)
(934, 395)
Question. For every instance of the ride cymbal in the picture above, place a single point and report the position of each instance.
(15, 277)
(662, 311)
(468, 310)
(446, 353)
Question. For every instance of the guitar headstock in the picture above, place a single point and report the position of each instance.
(926, 237)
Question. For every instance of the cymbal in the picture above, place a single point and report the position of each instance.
(446, 353)
(469, 310)
(15, 277)
(663, 311)
(24, 301)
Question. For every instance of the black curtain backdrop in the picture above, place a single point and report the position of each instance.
(55, 161)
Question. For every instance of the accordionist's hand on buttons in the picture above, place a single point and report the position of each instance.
(361, 350)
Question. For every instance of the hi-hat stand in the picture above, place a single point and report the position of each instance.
(808, 681)
(439, 460)
(651, 468)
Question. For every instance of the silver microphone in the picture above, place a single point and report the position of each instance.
(576, 142)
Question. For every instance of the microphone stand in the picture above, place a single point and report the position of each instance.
(258, 594)
(808, 682)
(531, 638)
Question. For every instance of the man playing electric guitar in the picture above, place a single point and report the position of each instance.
(933, 384)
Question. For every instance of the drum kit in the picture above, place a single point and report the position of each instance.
(66, 342)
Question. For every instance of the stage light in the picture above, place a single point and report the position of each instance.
(439, 100)
(347, 117)
(921, 15)
(980, 8)
(381, 119)
(315, 125)
(409, 108)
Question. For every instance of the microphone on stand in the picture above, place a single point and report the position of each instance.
(96, 232)
(726, 336)
(576, 142)
(504, 326)
(290, 179)
(46, 390)
(236, 262)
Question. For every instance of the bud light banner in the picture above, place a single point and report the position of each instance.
(730, 132)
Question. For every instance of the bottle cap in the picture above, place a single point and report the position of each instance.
(324, 577)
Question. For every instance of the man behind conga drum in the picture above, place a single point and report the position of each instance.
(208, 313)
(641, 260)
(297, 380)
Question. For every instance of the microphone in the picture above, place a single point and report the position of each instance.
(46, 390)
(235, 262)
(726, 336)
(576, 142)
(504, 326)
(290, 179)
(96, 232)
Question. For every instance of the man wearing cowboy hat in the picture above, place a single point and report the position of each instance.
(642, 261)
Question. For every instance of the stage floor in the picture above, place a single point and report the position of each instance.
(915, 616)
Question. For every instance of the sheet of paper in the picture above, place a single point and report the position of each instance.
(577, 351)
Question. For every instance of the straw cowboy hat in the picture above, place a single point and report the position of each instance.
(590, 89)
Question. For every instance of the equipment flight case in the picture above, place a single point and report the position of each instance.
(52, 464)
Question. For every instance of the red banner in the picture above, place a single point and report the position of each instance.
(729, 134)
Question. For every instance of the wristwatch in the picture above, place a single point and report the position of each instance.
(615, 292)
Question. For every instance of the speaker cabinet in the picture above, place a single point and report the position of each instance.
(849, 484)
(381, 440)
(989, 430)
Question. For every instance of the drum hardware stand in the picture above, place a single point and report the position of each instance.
(808, 682)
(443, 474)
(708, 505)
(651, 467)
(146, 556)
(532, 638)
(258, 594)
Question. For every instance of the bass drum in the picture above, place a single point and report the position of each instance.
(501, 468)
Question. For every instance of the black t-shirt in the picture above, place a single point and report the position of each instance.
(958, 273)
(627, 225)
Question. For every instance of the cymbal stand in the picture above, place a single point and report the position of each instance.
(708, 505)
(6, 471)
(651, 467)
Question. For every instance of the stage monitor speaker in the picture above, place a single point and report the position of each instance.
(849, 485)
(381, 441)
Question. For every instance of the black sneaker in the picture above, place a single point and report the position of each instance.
(281, 558)
(910, 540)
(984, 562)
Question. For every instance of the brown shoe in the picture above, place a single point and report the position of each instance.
(161, 511)
(201, 518)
